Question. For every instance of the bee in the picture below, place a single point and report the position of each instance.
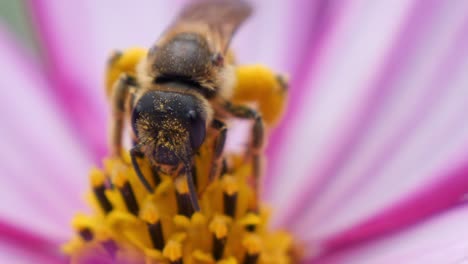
(180, 94)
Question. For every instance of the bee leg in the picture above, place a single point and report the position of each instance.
(134, 152)
(218, 148)
(259, 84)
(257, 139)
(192, 188)
(120, 94)
(122, 62)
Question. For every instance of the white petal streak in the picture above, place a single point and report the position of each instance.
(263, 38)
(439, 141)
(124, 24)
(441, 239)
(428, 108)
(352, 57)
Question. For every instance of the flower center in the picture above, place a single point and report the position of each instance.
(131, 225)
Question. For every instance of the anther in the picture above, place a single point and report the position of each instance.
(127, 193)
(154, 226)
(86, 234)
(173, 252)
(98, 182)
(184, 203)
(230, 191)
(220, 231)
(251, 221)
(253, 247)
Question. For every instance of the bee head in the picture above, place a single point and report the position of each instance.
(170, 126)
(185, 56)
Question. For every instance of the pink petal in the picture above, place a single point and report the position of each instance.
(44, 169)
(415, 146)
(448, 190)
(274, 34)
(349, 59)
(410, 103)
(441, 239)
(27, 247)
(307, 47)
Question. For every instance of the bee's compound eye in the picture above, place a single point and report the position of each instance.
(197, 129)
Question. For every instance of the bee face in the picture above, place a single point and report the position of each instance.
(171, 126)
(185, 55)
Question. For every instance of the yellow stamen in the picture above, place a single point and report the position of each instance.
(181, 185)
(97, 177)
(173, 251)
(219, 226)
(120, 180)
(253, 244)
(150, 215)
(230, 185)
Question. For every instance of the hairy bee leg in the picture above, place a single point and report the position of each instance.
(218, 148)
(120, 94)
(257, 139)
(134, 152)
(259, 84)
(122, 62)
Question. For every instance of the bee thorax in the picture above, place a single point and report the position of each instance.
(185, 56)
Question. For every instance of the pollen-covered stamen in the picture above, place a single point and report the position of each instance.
(173, 252)
(219, 228)
(253, 247)
(153, 223)
(230, 192)
(98, 182)
(162, 227)
(184, 203)
(127, 193)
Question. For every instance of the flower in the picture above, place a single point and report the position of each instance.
(369, 165)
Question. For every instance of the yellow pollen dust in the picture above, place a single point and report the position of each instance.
(131, 225)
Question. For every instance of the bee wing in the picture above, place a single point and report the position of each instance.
(222, 16)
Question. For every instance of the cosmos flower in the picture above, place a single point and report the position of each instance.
(370, 163)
